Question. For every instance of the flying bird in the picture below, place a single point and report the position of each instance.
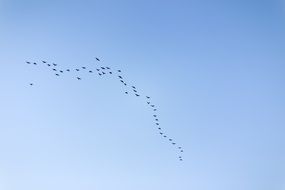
(137, 95)
(78, 78)
(28, 62)
(98, 69)
(35, 63)
(119, 71)
(102, 67)
(110, 72)
(57, 74)
(103, 73)
(77, 69)
(61, 71)
(147, 97)
(154, 115)
(31, 84)
(48, 65)
(54, 69)
(126, 92)
(120, 77)
(152, 105)
(83, 67)
(148, 102)
(54, 64)
(67, 70)
(97, 59)
(90, 71)
(107, 67)
(44, 61)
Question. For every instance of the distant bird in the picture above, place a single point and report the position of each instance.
(174, 143)
(97, 59)
(98, 69)
(154, 109)
(100, 74)
(110, 73)
(164, 136)
(181, 151)
(54, 69)
(147, 97)
(54, 64)
(125, 84)
(148, 102)
(122, 81)
(161, 133)
(35, 63)
(102, 67)
(120, 77)
(107, 67)
(57, 74)
(133, 87)
(170, 139)
(77, 69)
(180, 159)
(157, 123)
(126, 92)
(137, 95)
(78, 78)
(156, 119)
(48, 65)
(90, 71)
(61, 71)
(31, 84)
(103, 73)
(83, 67)
(179, 147)
(159, 128)
(152, 105)
(119, 71)
(67, 70)
(44, 61)
(134, 90)
(28, 62)
(154, 115)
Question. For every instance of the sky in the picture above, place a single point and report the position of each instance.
(215, 70)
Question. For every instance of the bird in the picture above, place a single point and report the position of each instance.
(110, 73)
(107, 67)
(98, 69)
(67, 70)
(174, 143)
(61, 71)
(152, 105)
(119, 71)
(126, 92)
(77, 69)
(48, 65)
(97, 59)
(125, 84)
(134, 90)
(170, 139)
(102, 67)
(157, 123)
(103, 73)
(164, 136)
(28, 62)
(133, 87)
(120, 77)
(54, 64)
(154, 115)
(181, 151)
(180, 159)
(57, 74)
(78, 78)
(147, 97)
(31, 84)
(44, 61)
(148, 102)
(100, 74)
(159, 128)
(154, 109)
(137, 95)
(161, 133)
(122, 81)
(54, 69)
(90, 71)
(83, 67)
(35, 63)
(179, 147)
(156, 119)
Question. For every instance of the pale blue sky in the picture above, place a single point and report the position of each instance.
(215, 69)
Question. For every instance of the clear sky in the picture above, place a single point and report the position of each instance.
(214, 68)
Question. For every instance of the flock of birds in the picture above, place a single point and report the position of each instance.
(130, 90)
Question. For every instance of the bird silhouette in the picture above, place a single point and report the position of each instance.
(90, 71)
(100, 74)
(31, 84)
(152, 105)
(97, 59)
(154, 115)
(137, 95)
(28, 62)
(83, 67)
(148, 102)
(48, 65)
(57, 74)
(35, 63)
(102, 67)
(54, 64)
(61, 71)
(110, 73)
(119, 71)
(103, 73)
(154, 109)
(77, 69)
(133, 87)
(157, 123)
(98, 69)
(120, 77)
(147, 97)
(126, 92)
(44, 61)
(107, 67)
(134, 90)
(67, 70)
(78, 78)
(54, 69)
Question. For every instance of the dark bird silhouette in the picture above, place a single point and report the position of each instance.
(44, 61)
(48, 65)
(148, 102)
(97, 59)
(154, 109)
(156, 119)
(161, 133)
(157, 123)
(57, 74)
(120, 77)
(54, 64)
(170, 139)
(77, 69)
(154, 115)
(119, 71)
(90, 71)
(61, 71)
(126, 92)
(179, 147)
(137, 95)
(125, 84)
(174, 143)
(159, 128)
(147, 97)
(180, 159)
(181, 151)
(103, 73)
(107, 67)
(152, 105)
(110, 73)
(133, 87)
(164, 136)
(102, 67)
(28, 62)
(67, 70)
(122, 81)
(134, 90)
(78, 78)
(35, 63)
(100, 74)
(98, 69)
(83, 67)
(31, 84)
(54, 69)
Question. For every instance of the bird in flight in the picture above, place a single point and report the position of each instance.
(107, 67)
(54, 64)
(44, 61)
(97, 59)
(35, 63)
(31, 84)
(147, 97)
(54, 69)
(67, 70)
(57, 74)
(119, 71)
(77, 69)
(48, 65)
(28, 62)
(83, 67)
(90, 71)
(137, 95)
(78, 78)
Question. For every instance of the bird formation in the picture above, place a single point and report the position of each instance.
(129, 90)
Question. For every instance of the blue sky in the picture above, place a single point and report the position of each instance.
(215, 69)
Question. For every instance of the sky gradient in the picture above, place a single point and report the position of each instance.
(215, 69)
